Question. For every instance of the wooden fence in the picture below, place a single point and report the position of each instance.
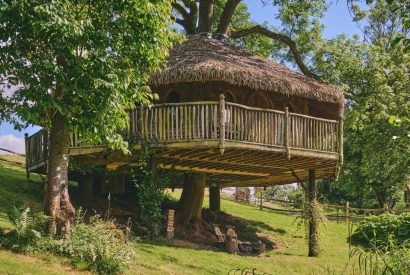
(334, 212)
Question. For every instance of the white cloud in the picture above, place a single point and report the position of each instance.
(13, 143)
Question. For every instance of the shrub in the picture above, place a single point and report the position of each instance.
(383, 230)
(28, 229)
(395, 260)
(100, 243)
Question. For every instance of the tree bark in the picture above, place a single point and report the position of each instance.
(57, 203)
(189, 19)
(408, 195)
(206, 12)
(313, 216)
(192, 197)
(281, 38)
(214, 198)
(226, 16)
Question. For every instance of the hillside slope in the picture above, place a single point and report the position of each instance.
(159, 257)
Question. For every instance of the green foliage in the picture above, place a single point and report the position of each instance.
(87, 60)
(383, 231)
(150, 184)
(100, 243)
(297, 196)
(313, 211)
(395, 261)
(375, 78)
(28, 229)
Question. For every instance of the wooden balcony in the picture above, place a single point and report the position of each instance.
(234, 144)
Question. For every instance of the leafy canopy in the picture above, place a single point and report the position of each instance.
(87, 60)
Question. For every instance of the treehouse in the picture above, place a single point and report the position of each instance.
(226, 113)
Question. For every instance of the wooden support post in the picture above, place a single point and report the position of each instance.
(286, 132)
(214, 198)
(86, 191)
(347, 211)
(261, 201)
(313, 216)
(337, 211)
(222, 123)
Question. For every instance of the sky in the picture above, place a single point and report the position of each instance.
(336, 21)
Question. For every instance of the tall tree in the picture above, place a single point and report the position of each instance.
(77, 66)
(376, 77)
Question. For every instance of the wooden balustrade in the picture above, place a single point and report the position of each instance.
(175, 122)
(217, 121)
(36, 147)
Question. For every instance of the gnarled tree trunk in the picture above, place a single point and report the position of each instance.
(57, 203)
(190, 204)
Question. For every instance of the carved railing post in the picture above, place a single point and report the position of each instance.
(221, 113)
(286, 132)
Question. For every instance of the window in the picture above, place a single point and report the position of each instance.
(290, 107)
(173, 97)
(228, 97)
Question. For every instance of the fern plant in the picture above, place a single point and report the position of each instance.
(27, 229)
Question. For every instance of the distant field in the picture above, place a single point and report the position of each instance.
(13, 159)
(158, 257)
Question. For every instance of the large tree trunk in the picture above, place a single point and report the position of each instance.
(381, 199)
(57, 203)
(190, 204)
(214, 198)
(206, 12)
(313, 216)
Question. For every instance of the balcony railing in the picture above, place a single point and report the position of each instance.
(222, 123)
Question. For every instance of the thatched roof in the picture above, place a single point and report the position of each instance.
(201, 59)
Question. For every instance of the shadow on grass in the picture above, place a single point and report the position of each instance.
(247, 230)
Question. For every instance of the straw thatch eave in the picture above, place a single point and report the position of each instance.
(201, 59)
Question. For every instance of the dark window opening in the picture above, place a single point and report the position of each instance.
(228, 97)
(173, 97)
(290, 108)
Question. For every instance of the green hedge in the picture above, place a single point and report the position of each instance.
(383, 230)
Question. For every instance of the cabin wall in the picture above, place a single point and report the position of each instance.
(190, 92)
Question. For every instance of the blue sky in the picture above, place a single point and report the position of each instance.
(336, 21)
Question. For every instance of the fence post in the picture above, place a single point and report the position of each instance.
(337, 214)
(261, 202)
(222, 123)
(347, 211)
(286, 132)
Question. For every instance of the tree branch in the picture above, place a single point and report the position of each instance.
(189, 19)
(281, 38)
(181, 10)
(226, 16)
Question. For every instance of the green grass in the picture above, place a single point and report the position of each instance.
(158, 257)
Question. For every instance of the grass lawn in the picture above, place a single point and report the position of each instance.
(158, 257)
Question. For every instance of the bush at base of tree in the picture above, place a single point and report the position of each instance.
(383, 230)
(99, 243)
